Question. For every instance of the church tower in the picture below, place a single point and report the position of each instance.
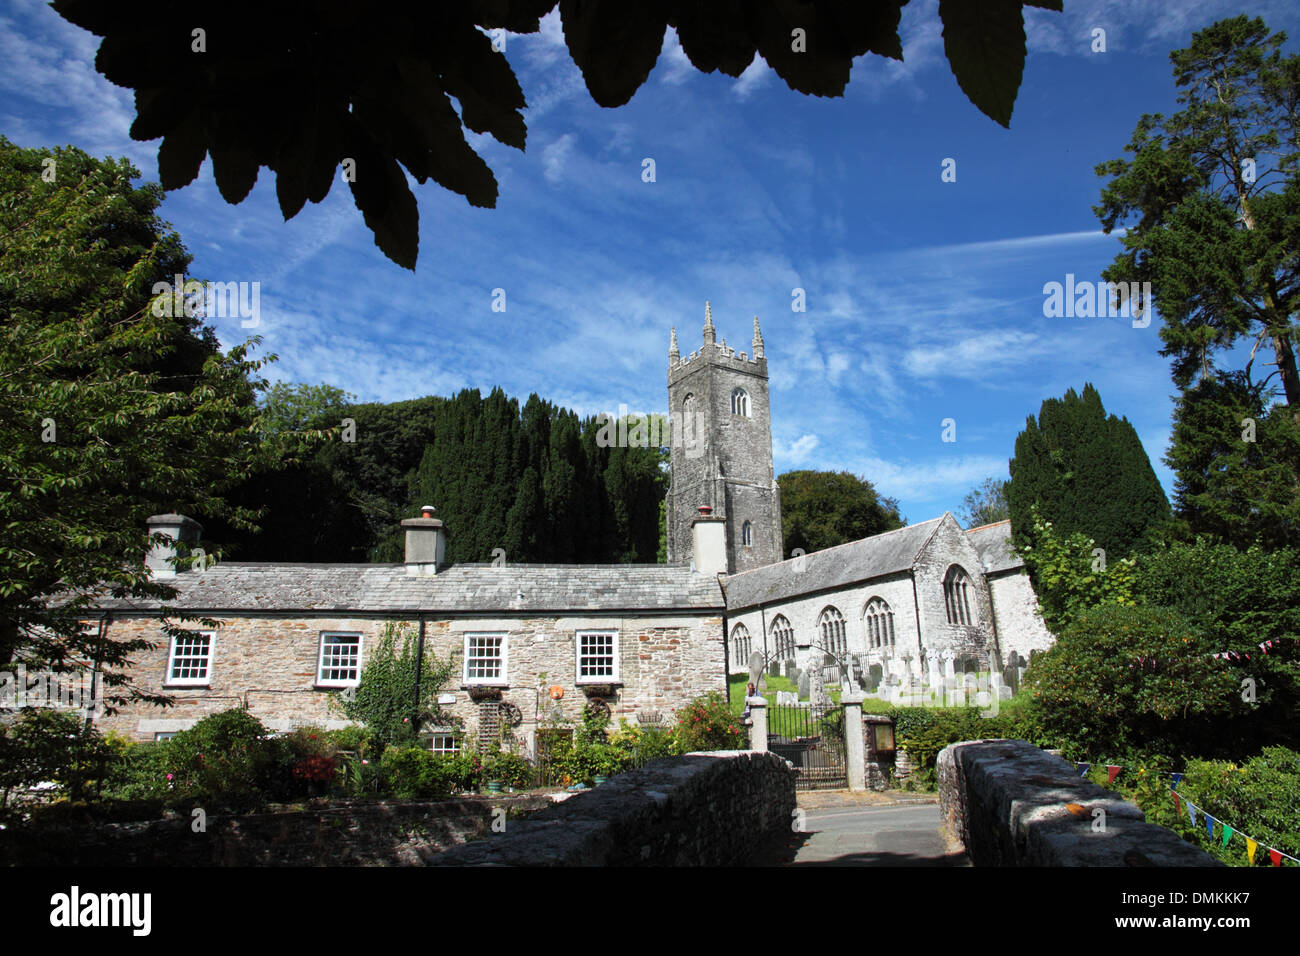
(722, 449)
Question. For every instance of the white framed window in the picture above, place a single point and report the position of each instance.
(485, 659)
(189, 663)
(597, 657)
(340, 659)
(747, 534)
(164, 734)
(444, 744)
(740, 402)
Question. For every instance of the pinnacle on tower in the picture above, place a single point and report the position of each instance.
(710, 334)
(758, 340)
(672, 346)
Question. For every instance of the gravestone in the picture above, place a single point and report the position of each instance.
(875, 674)
(803, 685)
(755, 668)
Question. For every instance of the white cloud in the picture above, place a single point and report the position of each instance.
(675, 66)
(797, 452)
(755, 77)
(555, 155)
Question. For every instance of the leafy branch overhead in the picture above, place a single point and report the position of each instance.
(304, 88)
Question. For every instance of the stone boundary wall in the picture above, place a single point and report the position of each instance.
(1006, 801)
(397, 833)
(705, 809)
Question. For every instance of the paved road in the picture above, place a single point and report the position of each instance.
(855, 830)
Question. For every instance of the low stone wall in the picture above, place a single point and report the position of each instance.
(1012, 804)
(706, 809)
(383, 833)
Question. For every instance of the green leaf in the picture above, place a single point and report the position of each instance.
(985, 44)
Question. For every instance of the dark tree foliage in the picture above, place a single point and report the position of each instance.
(1236, 463)
(302, 88)
(820, 509)
(111, 410)
(1087, 472)
(1240, 599)
(532, 481)
(1211, 203)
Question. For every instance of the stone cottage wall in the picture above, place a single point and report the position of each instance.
(269, 665)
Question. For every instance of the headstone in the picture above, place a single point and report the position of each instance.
(875, 675)
(817, 696)
(803, 685)
(755, 667)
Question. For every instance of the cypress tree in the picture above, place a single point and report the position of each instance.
(1086, 472)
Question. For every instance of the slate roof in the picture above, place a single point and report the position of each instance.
(456, 589)
(844, 564)
(993, 542)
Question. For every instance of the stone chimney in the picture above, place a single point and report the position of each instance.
(426, 543)
(161, 559)
(709, 541)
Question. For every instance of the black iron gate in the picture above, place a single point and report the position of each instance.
(811, 738)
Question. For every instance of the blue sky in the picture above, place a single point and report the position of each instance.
(924, 298)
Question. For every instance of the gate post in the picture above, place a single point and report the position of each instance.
(855, 750)
(758, 728)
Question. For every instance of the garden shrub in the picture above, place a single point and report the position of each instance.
(1097, 692)
(1260, 797)
(707, 723)
(229, 758)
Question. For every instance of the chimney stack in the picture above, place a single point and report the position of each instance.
(161, 559)
(709, 542)
(426, 543)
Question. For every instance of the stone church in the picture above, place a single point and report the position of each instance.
(534, 643)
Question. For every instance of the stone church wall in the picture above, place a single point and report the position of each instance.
(948, 546)
(1020, 626)
(804, 613)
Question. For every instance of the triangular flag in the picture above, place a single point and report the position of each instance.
(1227, 834)
(1178, 778)
(1209, 825)
(1275, 856)
(1191, 812)
(1082, 768)
(1112, 772)
(1251, 847)
(1178, 805)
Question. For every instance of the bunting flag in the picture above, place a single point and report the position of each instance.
(1209, 825)
(1251, 847)
(1082, 768)
(1275, 856)
(1178, 778)
(1227, 835)
(1112, 772)
(1177, 805)
(1191, 812)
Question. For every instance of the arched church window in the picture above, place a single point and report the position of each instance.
(831, 624)
(747, 534)
(782, 637)
(879, 619)
(740, 402)
(956, 596)
(741, 644)
(690, 433)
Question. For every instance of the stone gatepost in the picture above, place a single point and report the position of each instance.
(758, 727)
(855, 752)
(879, 745)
